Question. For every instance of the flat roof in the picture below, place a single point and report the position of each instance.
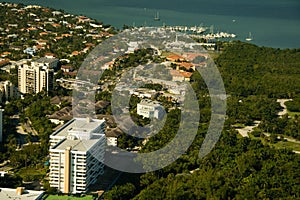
(147, 102)
(9, 194)
(46, 60)
(78, 124)
(78, 145)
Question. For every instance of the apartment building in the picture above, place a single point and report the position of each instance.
(7, 91)
(77, 154)
(35, 78)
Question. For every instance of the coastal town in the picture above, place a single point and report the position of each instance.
(63, 99)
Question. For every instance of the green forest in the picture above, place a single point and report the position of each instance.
(254, 167)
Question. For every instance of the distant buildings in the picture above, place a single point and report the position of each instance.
(30, 51)
(7, 91)
(34, 78)
(77, 154)
(150, 109)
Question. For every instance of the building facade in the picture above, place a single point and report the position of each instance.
(77, 154)
(7, 91)
(34, 78)
(150, 109)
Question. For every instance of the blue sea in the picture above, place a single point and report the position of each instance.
(272, 23)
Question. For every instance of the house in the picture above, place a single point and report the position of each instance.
(175, 58)
(30, 51)
(187, 66)
(180, 76)
(112, 135)
(176, 76)
(66, 68)
(4, 62)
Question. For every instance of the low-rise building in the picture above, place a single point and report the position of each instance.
(150, 109)
(20, 193)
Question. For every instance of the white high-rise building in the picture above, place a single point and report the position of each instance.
(77, 155)
(34, 78)
(1, 125)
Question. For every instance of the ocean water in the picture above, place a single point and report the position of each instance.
(272, 23)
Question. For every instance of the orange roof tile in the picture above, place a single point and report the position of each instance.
(186, 74)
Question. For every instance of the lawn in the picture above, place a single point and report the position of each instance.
(287, 145)
(30, 173)
(292, 114)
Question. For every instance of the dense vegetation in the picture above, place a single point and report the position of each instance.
(250, 70)
(237, 168)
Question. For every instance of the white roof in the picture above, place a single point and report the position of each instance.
(78, 124)
(9, 194)
(78, 145)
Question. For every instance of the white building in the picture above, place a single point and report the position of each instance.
(77, 154)
(34, 78)
(150, 109)
(20, 193)
(7, 90)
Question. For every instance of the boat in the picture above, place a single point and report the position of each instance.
(249, 38)
(156, 17)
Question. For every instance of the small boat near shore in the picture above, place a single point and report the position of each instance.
(156, 17)
(249, 38)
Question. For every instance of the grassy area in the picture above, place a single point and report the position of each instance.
(238, 125)
(30, 173)
(287, 145)
(56, 197)
(279, 144)
(292, 114)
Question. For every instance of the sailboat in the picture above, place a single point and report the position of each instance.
(249, 38)
(156, 17)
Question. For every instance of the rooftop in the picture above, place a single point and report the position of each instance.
(46, 60)
(79, 145)
(78, 124)
(8, 194)
(147, 102)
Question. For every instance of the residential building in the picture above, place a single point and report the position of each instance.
(180, 76)
(34, 78)
(77, 155)
(31, 51)
(48, 61)
(6, 90)
(150, 109)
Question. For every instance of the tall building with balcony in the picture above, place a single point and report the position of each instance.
(77, 155)
(7, 91)
(35, 78)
